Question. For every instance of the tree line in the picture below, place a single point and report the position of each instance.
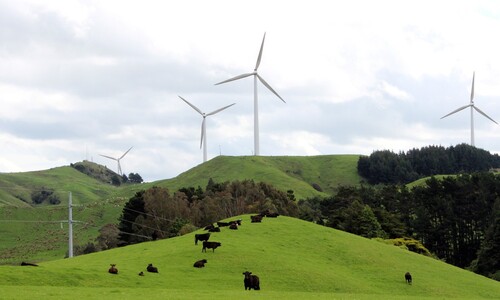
(156, 213)
(387, 167)
(456, 218)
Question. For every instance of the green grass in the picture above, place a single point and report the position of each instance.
(294, 260)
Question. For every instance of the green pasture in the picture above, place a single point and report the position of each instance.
(293, 258)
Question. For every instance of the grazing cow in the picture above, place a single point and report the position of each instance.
(28, 264)
(210, 245)
(256, 218)
(408, 277)
(233, 226)
(223, 224)
(113, 269)
(251, 281)
(215, 229)
(272, 215)
(201, 237)
(200, 263)
(152, 269)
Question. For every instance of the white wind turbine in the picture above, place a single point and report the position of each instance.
(472, 108)
(256, 102)
(203, 140)
(117, 160)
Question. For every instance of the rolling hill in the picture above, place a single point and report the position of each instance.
(293, 258)
(37, 233)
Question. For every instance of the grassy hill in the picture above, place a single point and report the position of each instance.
(33, 232)
(297, 173)
(293, 258)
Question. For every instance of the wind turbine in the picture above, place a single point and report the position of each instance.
(255, 98)
(472, 108)
(118, 160)
(203, 140)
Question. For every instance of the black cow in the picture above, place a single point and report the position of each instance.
(28, 264)
(251, 281)
(223, 224)
(210, 245)
(152, 269)
(200, 263)
(272, 215)
(237, 222)
(208, 227)
(256, 218)
(233, 226)
(408, 277)
(201, 237)
(113, 269)
(215, 229)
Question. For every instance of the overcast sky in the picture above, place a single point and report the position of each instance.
(83, 78)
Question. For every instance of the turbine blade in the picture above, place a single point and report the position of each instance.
(236, 78)
(481, 112)
(108, 157)
(472, 91)
(260, 52)
(194, 107)
(456, 110)
(125, 153)
(220, 109)
(269, 87)
(202, 131)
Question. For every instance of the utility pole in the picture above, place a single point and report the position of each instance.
(70, 226)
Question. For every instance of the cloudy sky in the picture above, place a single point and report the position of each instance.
(83, 78)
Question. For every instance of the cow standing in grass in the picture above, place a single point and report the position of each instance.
(251, 281)
(408, 277)
(210, 245)
(201, 237)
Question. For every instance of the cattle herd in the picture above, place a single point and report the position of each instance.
(250, 281)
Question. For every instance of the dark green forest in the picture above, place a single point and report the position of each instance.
(387, 167)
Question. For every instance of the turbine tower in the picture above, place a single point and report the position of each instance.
(255, 97)
(118, 160)
(203, 140)
(472, 108)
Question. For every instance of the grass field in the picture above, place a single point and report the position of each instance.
(293, 258)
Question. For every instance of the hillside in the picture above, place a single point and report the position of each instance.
(34, 233)
(297, 173)
(293, 258)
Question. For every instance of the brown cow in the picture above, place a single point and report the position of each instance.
(210, 245)
(200, 263)
(113, 269)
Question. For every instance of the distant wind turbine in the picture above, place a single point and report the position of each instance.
(118, 160)
(203, 140)
(256, 102)
(472, 108)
